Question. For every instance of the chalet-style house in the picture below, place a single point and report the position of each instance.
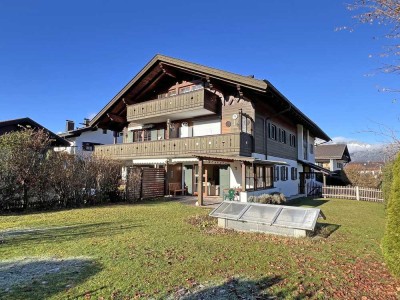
(28, 123)
(208, 130)
(332, 157)
(82, 140)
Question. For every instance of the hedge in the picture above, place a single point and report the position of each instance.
(391, 239)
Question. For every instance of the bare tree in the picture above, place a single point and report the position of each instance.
(385, 13)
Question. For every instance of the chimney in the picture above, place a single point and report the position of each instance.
(70, 125)
(86, 122)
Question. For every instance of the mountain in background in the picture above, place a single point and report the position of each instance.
(364, 152)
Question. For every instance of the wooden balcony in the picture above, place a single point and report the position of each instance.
(193, 104)
(223, 144)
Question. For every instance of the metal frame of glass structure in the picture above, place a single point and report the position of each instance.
(269, 214)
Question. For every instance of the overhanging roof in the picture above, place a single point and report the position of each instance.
(18, 124)
(315, 167)
(239, 158)
(202, 71)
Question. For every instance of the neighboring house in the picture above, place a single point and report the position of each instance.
(27, 123)
(332, 157)
(211, 130)
(83, 140)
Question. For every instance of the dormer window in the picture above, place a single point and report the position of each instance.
(182, 88)
(185, 89)
(172, 93)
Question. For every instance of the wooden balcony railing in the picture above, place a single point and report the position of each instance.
(223, 144)
(188, 102)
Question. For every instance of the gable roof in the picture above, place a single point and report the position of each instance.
(332, 151)
(76, 132)
(203, 71)
(18, 124)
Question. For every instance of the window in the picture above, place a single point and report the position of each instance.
(184, 90)
(292, 140)
(249, 177)
(311, 149)
(293, 173)
(339, 165)
(272, 131)
(171, 93)
(87, 146)
(260, 177)
(141, 135)
(276, 173)
(104, 131)
(284, 173)
(282, 136)
(268, 177)
(197, 87)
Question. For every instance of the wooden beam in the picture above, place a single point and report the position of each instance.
(239, 90)
(210, 85)
(116, 118)
(200, 184)
(165, 71)
(150, 84)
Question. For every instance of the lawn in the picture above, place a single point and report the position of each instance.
(169, 250)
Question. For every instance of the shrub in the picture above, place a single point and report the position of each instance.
(278, 198)
(32, 175)
(264, 199)
(391, 239)
(251, 199)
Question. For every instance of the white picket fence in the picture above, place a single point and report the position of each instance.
(352, 193)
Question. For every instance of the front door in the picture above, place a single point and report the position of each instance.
(302, 187)
(224, 179)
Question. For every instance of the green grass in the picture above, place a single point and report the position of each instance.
(157, 248)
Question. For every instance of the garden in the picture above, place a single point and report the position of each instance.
(165, 249)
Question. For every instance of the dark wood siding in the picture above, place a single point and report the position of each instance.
(280, 149)
(153, 182)
(259, 135)
(270, 114)
(229, 110)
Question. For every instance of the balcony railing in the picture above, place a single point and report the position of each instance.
(201, 101)
(223, 144)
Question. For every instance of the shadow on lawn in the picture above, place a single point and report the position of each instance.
(311, 202)
(62, 233)
(243, 289)
(38, 278)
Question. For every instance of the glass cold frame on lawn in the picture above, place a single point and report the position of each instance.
(281, 216)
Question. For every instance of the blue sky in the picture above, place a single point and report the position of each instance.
(66, 59)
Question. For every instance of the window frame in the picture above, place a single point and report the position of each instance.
(256, 172)
(272, 132)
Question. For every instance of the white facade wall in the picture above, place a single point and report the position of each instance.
(311, 143)
(289, 187)
(206, 127)
(235, 174)
(96, 136)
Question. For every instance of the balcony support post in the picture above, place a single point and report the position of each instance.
(115, 136)
(200, 184)
(168, 130)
